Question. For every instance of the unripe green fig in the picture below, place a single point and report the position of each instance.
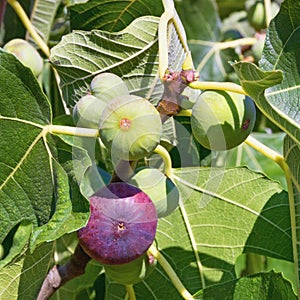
(130, 127)
(222, 120)
(87, 111)
(107, 86)
(26, 53)
(161, 190)
(132, 272)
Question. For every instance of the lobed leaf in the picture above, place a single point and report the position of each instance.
(224, 212)
(130, 54)
(275, 87)
(36, 170)
(111, 15)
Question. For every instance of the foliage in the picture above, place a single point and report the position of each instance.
(235, 232)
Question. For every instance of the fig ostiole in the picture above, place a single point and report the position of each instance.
(161, 190)
(130, 127)
(122, 224)
(107, 86)
(132, 272)
(87, 111)
(26, 53)
(222, 120)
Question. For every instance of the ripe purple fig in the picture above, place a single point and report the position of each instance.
(130, 127)
(122, 224)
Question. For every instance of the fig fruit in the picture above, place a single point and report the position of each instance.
(87, 111)
(161, 190)
(26, 53)
(222, 120)
(107, 86)
(132, 272)
(122, 224)
(130, 127)
(257, 15)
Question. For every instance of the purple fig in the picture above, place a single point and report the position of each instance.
(122, 224)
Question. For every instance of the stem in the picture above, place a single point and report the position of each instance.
(59, 275)
(268, 11)
(279, 159)
(223, 86)
(185, 113)
(164, 154)
(28, 25)
(75, 131)
(171, 273)
(130, 292)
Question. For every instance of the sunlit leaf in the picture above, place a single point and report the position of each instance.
(130, 53)
(111, 15)
(276, 86)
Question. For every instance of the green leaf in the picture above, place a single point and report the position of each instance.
(111, 15)
(276, 86)
(264, 286)
(35, 168)
(224, 213)
(42, 17)
(22, 278)
(64, 248)
(130, 53)
(203, 28)
(244, 155)
(291, 152)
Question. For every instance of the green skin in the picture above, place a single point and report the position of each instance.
(107, 86)
(132, 272)
(161, 190)
(124, 127)
(87, 111)
(26, 53)
(222, 120)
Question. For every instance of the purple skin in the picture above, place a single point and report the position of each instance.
(122, 224)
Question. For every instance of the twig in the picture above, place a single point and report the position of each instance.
(59, 275)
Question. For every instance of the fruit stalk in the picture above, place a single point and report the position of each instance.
(59, 275)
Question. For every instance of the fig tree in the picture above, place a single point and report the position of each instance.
(87, 111)
(130, 127)
(107, 86)
(132, 272)
(122, 224)
(161, 189)
(222, 120)
(26, 53)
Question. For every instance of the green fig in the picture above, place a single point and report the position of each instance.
(26, 53)
(161, 190)
(222, 120)
(107, 86)
(87, 111)
(132, 272)
(130, 127)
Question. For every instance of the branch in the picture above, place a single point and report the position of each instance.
(59, 275)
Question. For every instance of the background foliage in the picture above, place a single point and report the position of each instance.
(238, 213)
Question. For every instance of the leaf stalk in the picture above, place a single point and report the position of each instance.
(171, 273)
